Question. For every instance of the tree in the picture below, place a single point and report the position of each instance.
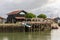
(30, 15)
(42, 16)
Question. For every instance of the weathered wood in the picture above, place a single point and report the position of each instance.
(40, 26)
(18, 27)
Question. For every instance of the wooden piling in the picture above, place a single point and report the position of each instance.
(19, 28)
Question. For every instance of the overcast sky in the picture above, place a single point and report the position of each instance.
(49, 7)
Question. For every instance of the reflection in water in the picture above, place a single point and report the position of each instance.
(53, 35)
(5, 38)
(26, 36)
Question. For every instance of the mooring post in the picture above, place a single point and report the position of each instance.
(39, 27)
(34, 27)
(31, 28)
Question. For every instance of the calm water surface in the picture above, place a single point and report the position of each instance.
(53, 35)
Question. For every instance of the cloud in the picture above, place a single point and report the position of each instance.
(9, 5)
(51, 9)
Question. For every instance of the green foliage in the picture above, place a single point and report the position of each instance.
(42, 16)
(30, 15)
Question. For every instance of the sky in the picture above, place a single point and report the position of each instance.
(49, 7)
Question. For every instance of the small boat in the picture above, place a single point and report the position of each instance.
(26, 24)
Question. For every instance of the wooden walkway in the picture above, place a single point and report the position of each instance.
(39, 26)
(35, 26)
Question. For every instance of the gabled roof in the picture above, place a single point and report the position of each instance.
(1, 18)
(15, 12)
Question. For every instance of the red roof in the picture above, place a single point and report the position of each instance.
(1, 18)
(20, 17)
(14, 12)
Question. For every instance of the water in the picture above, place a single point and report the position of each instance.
(53, 35)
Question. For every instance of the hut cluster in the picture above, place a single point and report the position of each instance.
(19, 16)
(16, 18)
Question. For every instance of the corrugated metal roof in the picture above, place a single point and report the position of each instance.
(14, 12)
(1, 18)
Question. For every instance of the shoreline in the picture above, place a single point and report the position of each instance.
(18, 27)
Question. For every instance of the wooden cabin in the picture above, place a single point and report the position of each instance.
(57, 20)
(16, 16)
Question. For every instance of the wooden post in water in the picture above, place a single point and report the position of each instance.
(34, 28)
(39, 27)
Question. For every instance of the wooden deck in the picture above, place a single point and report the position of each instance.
(17, 27)
(20, 24)
(39, 22)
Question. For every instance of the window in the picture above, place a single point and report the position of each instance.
(22, 13)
